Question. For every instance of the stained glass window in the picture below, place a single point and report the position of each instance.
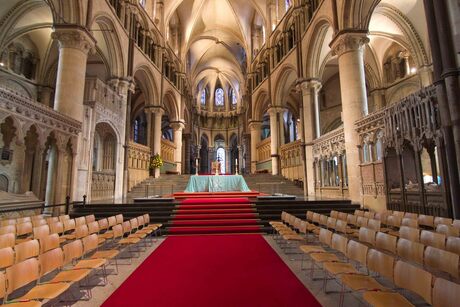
(136, 130)
(203, 97)
(233, 98)
(219, 97)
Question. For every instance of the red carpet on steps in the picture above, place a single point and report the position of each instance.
(220, 215)
(211, 271)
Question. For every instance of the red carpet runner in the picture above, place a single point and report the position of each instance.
(214, 216)
(227, 270)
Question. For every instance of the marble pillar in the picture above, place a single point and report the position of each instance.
(74, 45)
(178, 127)
(310, 89)
(254, 128)
(157, 115)
(273, 112)
(349, 47)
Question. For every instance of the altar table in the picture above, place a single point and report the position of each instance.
(219, 183)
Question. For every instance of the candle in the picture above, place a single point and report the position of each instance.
(196, 161)
(236, 161)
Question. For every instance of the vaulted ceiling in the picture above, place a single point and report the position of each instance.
(215, 37)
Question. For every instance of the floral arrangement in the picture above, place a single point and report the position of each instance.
(156, 161)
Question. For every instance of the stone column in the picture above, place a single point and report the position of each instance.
(349, 48)
(74, 45)
(282, 139)
(310, 89)
(157, 115)
(254, 128)
(178, 127)
(273, 111)
(378, 96)
(45, 95)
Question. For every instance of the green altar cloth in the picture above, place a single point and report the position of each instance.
(213, 183)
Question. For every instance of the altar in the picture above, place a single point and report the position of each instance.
(217, 183)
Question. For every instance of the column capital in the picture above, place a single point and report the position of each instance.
(346, 41)
(76, 37)
(155, 110)
(254, 124)
(177, 125)
(273, 110)
(306, 85)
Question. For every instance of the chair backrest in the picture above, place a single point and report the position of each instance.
(352, 219)
(434, 239)
(134, 224)
(339, 243)
(442, 220)
(296, 224)
(411, 251)
(38, 217)
(334, 214)
(411, 215)
(331, 222)
(342, 216)
(382, 216)
(369, 214)
(386, 242)
(39, 222)
(2, 284)
(414, 279)
(374, 224)
(426, 220)
(57, 227)
(381, 263)
(147, 218)
(359, 213)
(112, 221)
(409, 222)
(140, 220)
(8, 229)
(93, 227)
(80, 221)
(367, 235)
(6, 257)
(126, 227)
(399, 213)
(24, 229)
(51, 260)
(51, 220)
(448, 230)
(41, 231)
(442, 260)
(8, 222)
(21, 274)
(7, 240)
(357, 251)
(309, 216)
(81, 231)
(445, 293)
(117, 231)
(283, 215)
(302, 226)
(103, 224)
(394, 221)
(69, 225)
(22, 220)
(362, 221)
(90, 243)
(90, 218)
(49, 242)
(72, 251)
(316, 218)
(63, 218)
(409, 233)
(325, 236)
(341, 226)
(456, 224)
(26, 250)
(119, 218)
(453, 245)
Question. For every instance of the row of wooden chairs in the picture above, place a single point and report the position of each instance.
(33, 260)
(350, 263)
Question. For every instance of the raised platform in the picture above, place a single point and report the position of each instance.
(184, 195)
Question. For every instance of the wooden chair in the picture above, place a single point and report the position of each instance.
(325, 239)
(442, 260)
(63, 218)
(6, 257)
(41, 231)
(399, 214)
(445, 293)
(453, 245)
(406, 276)
(374, 224)
(51, 220)
(26, 250)
(58, 228)
(369, 214)
(331, 222)
(409, 222)
(410, 251)
(409, 233)
(411, 215)
(352, 220)
(334, 214)
(69, 229)
(39, 222)
(358, 213)
(24, 232)
(338, 244)
(426, 220)
(386, 242)
(456, 224)
(49, 242)
(90, 218)
(448, 230)
(8, 229)
(7, 222)
(309, 216)
(367, 236)
(93, 228)
(342, 216)
(22, 220)
(7, 240)
(442, 220)
(14, 304)
(79, 221)
(434, 239)
(119, 218)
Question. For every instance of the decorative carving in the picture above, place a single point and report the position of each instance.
(349, 41)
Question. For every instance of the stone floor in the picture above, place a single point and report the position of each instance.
(101, 293)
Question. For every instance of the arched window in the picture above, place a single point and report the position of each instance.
(142, 3)
(136, 130)
(378, 150)
(219, 97)
(203, 97)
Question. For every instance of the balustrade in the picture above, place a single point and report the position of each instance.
(103, 185)
(138, 163)
(291, 161)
